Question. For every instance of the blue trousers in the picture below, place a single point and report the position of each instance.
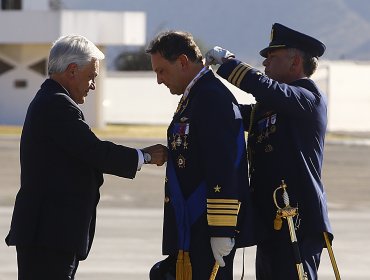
(275, 258)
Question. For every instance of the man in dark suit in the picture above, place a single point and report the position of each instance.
(62, 166)
(286, 132)
(206, 206)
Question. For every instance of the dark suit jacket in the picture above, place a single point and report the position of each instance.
(62, 166)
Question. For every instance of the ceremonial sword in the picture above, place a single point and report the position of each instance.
(288, 213)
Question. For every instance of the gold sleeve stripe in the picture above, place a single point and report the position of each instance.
(225, 206)
(239, 73)
(225, 220)
(220, 200)
(241, 77)
(222, 211)
(234, 73)
(222, 206)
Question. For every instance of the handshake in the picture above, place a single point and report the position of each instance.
(156, 154)
(217, 55)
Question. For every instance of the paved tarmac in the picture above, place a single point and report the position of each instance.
(128, 236)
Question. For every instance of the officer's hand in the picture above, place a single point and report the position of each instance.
(217, 55)
(221, 246)
(158, 154)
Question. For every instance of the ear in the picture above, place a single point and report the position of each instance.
(296, 63)
(71, 70)
(184, 61)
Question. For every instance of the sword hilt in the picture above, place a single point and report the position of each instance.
(285, 195)
(287, 210)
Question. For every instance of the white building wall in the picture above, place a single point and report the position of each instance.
(30, 40)
(14, 101)
(349, 96)
(135, 97)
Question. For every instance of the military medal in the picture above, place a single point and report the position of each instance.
(268, 148)
(181, 161)
(259, 138)
(185, 143)
(273, 119)
(178, 140)
(173, 143)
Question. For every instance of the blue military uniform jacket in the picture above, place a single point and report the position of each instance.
(206, 191)
(285, 142)
(62, 166)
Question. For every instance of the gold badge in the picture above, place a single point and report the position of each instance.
(181, 161)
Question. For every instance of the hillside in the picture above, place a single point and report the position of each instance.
(243, 26)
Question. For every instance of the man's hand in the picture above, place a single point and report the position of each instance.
(217, 55)
(158, 154)
(221, 246)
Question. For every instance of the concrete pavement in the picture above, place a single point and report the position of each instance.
(128, 236)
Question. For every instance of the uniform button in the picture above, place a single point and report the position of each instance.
(166, 199)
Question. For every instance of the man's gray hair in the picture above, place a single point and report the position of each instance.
(72, 49)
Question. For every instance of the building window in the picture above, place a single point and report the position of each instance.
(20, 83)
(5, 67)
(11, 4)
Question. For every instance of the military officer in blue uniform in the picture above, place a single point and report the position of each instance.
(286, 129)
(207, 201)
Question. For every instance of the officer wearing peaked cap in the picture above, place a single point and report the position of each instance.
(284, 37)
(286, 129)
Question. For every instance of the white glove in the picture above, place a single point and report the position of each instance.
(217, 55)
(221, 246)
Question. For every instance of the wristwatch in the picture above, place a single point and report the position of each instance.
(147, 157)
